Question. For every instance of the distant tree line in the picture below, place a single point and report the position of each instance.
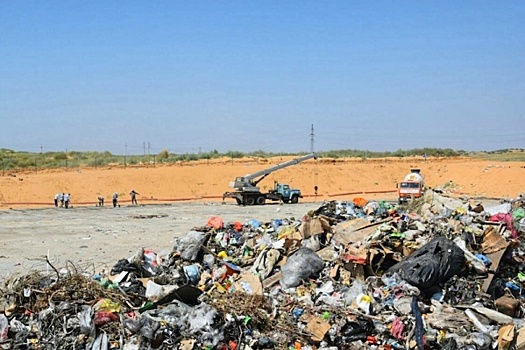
(10, 159)
(423, 152)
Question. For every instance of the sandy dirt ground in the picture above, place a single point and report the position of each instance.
(208, 180)
(174, 198)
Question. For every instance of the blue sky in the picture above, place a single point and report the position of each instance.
(248, 75)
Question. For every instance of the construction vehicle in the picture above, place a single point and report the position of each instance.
(412, 186)
(247, 193)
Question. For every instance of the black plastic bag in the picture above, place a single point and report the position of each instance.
(126, 265)
(434, 263)
(356, 330)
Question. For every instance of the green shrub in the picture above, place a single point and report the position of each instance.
(164, 154)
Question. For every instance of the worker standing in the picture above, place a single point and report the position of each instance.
(100, 201)
(67, 197)
(57, 197)
(133, 195)
(115, 199)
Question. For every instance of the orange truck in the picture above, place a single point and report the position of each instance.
(412, 186)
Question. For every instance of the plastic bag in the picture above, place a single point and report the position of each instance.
(86, 320)
(350, 294)
(254, 224)
(312, 242)
(103, 317)
(101, 343)
(215, 222)
(190, 244)
(300, 266)
(107, 305)
(265, 262)
(192, 273)
(208, 261)
(364, 302)
(4, 327)
(196, 322)
(432, 264)
(276, 223)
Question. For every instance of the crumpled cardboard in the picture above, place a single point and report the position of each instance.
(249, 283)
(318, 328)
(520, 340)
(506, 336)
(187, 344)
(493, 241)
(311, 227)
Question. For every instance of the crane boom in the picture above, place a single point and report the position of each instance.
(249, 182)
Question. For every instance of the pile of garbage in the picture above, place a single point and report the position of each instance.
(438, 273)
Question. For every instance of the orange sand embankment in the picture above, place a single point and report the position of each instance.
(208, 180)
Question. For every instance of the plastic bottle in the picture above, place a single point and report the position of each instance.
(476, 321)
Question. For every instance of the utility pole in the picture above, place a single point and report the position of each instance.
(41, 153)
(66, 158)
(312, 140)
(316, 188)
(125, 153)
(149, 154)
(143, 152)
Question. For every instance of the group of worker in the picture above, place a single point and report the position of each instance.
(133, 194)
(62, 200)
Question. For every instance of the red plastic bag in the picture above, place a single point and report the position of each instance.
(103, 317)
(359, 202)
(215, 222)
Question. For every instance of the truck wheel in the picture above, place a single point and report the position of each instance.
(239, 202)
(286, 201)
(250, 201)
(295, 199)
(261, 200)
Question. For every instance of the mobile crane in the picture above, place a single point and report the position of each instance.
(247, 193)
